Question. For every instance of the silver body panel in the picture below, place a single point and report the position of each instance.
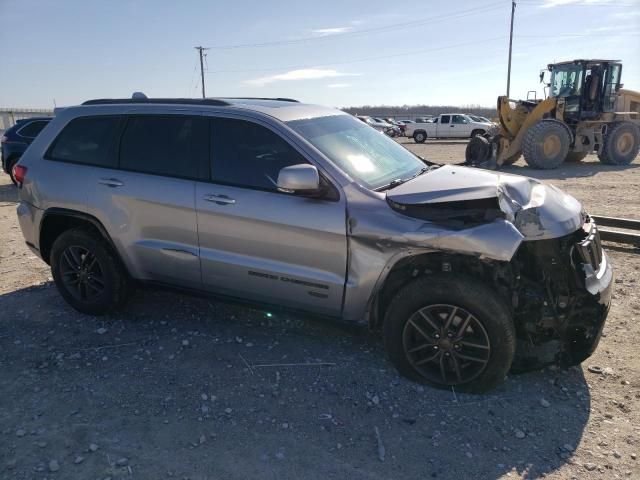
(326, 257)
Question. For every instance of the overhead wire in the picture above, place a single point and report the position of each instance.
(414, 23)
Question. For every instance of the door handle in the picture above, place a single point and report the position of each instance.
(452, 126)
(110, 182)
(219, 199)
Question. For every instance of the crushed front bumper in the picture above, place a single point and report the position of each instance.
(564, 307)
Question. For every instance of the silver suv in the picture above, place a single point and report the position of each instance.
(467, 273)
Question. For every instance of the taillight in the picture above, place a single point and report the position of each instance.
(19, 173)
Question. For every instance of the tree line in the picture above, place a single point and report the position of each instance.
(410, 112)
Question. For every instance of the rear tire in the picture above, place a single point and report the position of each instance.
(546, 144)
(87, 272)
(621, 144)
(419, 137)
(575, 157)
(422, 342)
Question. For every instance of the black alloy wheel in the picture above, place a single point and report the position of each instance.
(446, 344)
(82, 274)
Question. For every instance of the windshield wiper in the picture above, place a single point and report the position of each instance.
(400, 181)
(393, 183)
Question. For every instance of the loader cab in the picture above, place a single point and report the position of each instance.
(588, 87)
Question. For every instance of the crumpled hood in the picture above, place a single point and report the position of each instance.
(536, 209)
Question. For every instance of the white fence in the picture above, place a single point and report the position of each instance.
(9, 116)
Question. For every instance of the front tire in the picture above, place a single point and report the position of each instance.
(87, 273)
(621, 144)
(546, 144)
(448, 330)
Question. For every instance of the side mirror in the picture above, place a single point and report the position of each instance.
(542, 75)
(302, 178)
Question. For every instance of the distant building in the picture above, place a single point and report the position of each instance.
(9, 116)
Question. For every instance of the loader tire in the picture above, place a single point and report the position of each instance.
(621, 144)
(575, 157)
(478, 150)
(546, 144)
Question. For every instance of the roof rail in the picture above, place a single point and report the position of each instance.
(171, 101)
(278, 99)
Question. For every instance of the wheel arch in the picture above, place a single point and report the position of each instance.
(408, 268)
(56, 221)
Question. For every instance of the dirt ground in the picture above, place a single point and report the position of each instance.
(187, 388)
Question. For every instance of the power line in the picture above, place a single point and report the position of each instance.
(579, 4)
(359, 60)
(414, 23)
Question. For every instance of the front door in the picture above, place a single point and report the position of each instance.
(258, 243)
(460, 126)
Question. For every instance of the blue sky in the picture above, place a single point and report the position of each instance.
(337, 53)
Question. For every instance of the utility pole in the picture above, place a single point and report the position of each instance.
(513, 11)
(200, 50)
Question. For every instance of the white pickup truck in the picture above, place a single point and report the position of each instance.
(447, 125)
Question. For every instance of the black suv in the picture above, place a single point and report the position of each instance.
(16, 139)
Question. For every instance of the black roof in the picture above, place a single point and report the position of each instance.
(584, 60)
(214, 102)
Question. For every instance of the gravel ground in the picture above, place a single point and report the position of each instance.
(183, 387)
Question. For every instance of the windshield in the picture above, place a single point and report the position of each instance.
(566, 80)
(366, 155)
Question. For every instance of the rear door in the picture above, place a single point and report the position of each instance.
(147, 202)
(261, 244)
(445, 126)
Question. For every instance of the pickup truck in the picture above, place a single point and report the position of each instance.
(448, 125)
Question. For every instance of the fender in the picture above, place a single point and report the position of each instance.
(65, 212)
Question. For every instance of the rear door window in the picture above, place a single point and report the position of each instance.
(444, 119)
(246, 154)
(88, 141)
(173, 145)
(32, 129)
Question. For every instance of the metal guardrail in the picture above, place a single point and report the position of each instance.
(631, 237)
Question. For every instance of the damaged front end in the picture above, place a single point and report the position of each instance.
(557, 279)
(561, 298)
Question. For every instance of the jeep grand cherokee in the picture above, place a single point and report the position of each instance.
(467, 273)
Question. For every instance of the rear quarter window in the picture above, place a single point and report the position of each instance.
(32, 129)
(88, 141)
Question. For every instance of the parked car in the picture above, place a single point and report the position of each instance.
(390, 127)
(398, 127)
(378, 124)
(403, 125)
(465, 272)
(478, 118)
(17, 138)
(423, 119)
(448, 125)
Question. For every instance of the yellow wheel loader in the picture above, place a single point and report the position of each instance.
(581, 115)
